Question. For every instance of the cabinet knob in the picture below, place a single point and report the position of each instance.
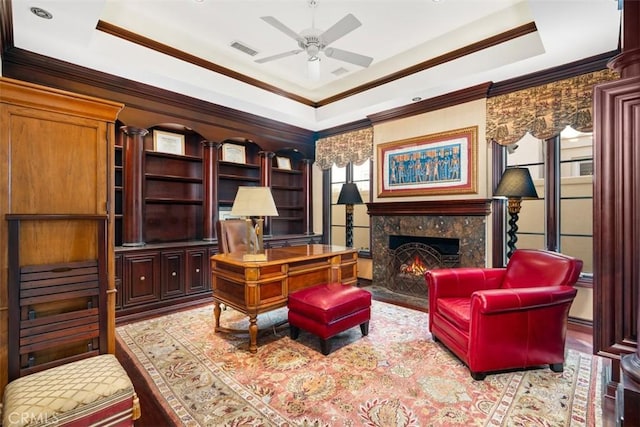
(174, 273)
(197, 270)
(142, 278)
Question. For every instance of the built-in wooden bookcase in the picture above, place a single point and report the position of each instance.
(167, 200)
(288, 189)
(173, 190)
(118, 185)
(238, 165)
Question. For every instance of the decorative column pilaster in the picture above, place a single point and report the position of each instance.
(210, 154)
(616, 234)
(266, 160)
(133, 177)
(307, 174)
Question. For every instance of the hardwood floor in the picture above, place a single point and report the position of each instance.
(152, 413)
(579, 338)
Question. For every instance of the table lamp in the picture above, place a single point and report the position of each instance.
(254, 202)
(349, 196)
(516, 184)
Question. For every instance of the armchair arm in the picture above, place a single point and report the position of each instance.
(493, 301)
(462, 282)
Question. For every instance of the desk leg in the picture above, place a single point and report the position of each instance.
(253, 333)
(216, 315)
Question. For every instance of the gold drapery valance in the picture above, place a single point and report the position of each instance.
(355, 147)
(544, 111)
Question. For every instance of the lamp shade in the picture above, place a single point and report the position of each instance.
(254, 201)
(349, 195)
(516, 183)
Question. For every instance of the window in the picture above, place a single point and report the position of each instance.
(570, 159)
(360, 175)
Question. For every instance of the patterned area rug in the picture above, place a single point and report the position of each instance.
(395, 376)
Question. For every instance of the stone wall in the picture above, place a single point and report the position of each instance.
(470, 230)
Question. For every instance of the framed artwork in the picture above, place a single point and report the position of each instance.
(234, 153)
(167, 142)
(442, 163)
(283, 162)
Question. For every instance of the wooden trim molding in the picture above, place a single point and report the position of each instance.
(132, 37)
(470, 207)
(147, 105)
(497, 39)
(6, 25)
(347, 127)
(549, 75)
(437, 103)
(506, 36)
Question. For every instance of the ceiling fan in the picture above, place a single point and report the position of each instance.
(313, 41)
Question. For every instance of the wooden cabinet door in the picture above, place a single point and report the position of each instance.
(141, 279)
(172, 274)
(197, 271)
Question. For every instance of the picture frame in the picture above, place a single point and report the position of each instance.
(224, 213)
(441, 163)
(168, 142)
(234, 153)
(283, 162)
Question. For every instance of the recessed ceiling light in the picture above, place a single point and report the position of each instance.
(416, 99)
(41, 13)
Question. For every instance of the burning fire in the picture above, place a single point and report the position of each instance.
(416, 268)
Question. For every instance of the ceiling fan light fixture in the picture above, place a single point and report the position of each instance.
(313, 51)
(313, 68)
(313, 41)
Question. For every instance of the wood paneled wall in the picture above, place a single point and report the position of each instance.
(616, 209)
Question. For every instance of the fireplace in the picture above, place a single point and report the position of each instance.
(443, 233)
(411, 256)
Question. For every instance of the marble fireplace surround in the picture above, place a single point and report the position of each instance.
(458, 219)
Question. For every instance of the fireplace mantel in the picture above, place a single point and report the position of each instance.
(464, 220)
(467, 207)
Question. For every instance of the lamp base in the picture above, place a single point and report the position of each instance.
(254, 257)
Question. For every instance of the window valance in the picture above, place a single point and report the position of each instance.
(355, 147)
(544, 111)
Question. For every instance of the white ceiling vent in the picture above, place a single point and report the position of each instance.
(339, 71)
(243, 48)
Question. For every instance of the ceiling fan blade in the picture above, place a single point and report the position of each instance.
(340, 28)
(280, 26)
(278, 56)
(346, 56)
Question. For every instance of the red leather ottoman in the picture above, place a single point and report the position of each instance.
(326, 310)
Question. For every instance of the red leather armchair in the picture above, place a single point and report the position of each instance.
(497, 319)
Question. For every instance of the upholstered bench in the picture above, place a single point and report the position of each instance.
(327, 309)
(95, 391)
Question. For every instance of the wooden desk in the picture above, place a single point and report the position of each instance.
(257, 287)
